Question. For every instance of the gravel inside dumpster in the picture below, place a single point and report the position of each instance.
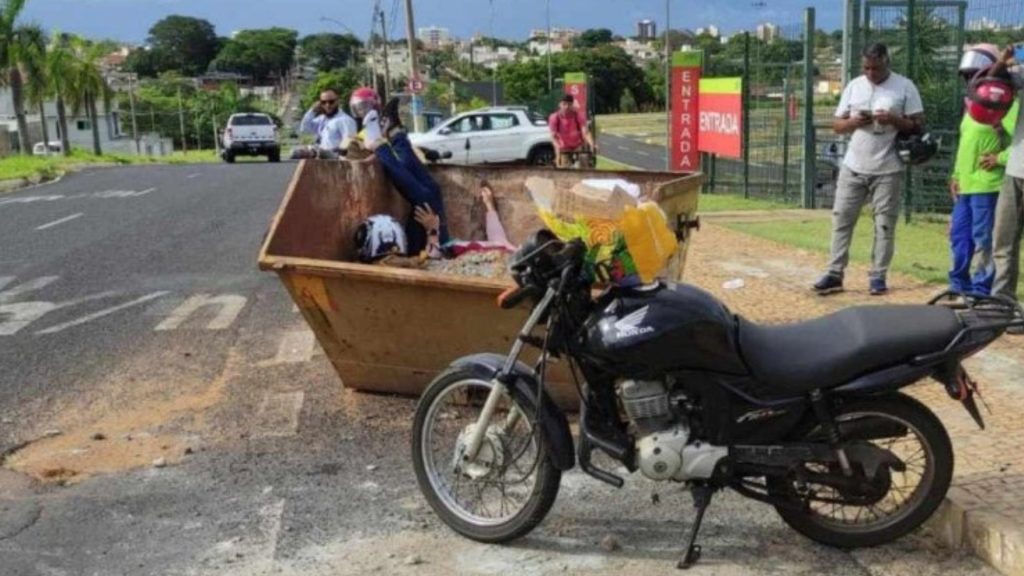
(489, 264)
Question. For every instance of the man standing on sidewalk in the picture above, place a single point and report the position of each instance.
(1010, 206)
(874, 108)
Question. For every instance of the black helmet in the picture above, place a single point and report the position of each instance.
(917, 148)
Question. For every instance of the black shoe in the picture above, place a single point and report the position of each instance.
(829, 284)
(877, 287)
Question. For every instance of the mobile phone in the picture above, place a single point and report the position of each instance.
(1018, 53)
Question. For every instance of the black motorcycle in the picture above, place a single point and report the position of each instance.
(806, 417)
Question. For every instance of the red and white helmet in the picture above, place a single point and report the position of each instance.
(363, 100)
(978, 57)
(989, 98)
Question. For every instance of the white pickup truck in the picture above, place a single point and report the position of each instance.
(251, 134)
(491, 135)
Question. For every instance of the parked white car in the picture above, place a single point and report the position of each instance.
(491, 135)
(40, 148)
(251, 135)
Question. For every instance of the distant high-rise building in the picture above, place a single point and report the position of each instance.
(646, 30)
(711, 30)
(434, 37)
(767, 32)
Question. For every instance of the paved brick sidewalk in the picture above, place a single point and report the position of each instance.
(985, 508)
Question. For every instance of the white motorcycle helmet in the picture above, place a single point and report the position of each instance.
(378, 236)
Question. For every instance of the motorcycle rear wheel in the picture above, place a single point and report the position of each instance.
(512, 465)
(899, 510)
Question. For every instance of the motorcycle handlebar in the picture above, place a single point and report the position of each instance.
(514, 296)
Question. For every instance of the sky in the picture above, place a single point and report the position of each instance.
(129, 20)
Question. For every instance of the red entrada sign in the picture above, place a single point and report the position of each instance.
(576, 84)
(685, 156)
(721, 116)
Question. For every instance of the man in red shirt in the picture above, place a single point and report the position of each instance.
(569, 130)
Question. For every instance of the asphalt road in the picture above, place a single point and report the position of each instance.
(633, 152)
(135, 330)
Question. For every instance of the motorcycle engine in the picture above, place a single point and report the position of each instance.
(664, 451)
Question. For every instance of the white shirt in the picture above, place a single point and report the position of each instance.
(1015, 165)
(872, 148)
(334, 132)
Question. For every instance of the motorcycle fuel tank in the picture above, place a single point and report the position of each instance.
(665, 327)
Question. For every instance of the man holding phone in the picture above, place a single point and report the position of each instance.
(874, 108)
(1010, 206)
(332, 126)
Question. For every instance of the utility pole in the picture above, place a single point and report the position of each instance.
(551, 80)
(181, 122)
(410, 30)
(668, 84)
(135, 127)
(387, 67)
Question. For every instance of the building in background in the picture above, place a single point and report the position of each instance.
(646, 30)
(711, 30)
(767, 32)
(434, 37)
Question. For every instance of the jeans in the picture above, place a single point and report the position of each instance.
(852, 191)
(414, 183)
(1006, 241)
(970, 239)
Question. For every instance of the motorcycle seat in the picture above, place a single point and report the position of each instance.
(826, 352)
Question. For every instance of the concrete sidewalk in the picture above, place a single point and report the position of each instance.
(984, 511)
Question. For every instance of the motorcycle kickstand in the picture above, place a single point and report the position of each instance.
(701, 500)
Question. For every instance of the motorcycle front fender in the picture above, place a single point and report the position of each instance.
(553, 423)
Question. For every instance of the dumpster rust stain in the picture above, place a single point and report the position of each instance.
(111, 440)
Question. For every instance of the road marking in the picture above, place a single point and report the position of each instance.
(18, 315)
(31, 199)
(642, 153)
(30, 286)
(102, 313)
(278, 415)
(230, 307)
(61, 221)
(295, 347)
(191, 176)
(122, 193)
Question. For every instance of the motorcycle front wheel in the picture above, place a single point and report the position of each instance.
(509, 486)
(900, 499)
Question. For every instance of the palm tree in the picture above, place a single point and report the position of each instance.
(59, 68)
(15, 45)
(34, 74)
(86, 85)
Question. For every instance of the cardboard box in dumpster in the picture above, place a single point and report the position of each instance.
(628, 241)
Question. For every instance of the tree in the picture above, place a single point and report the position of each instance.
(59, 68)
(593, 38)
(16, 46)
(261, 54)
(328, 51)
(180, 43)
(87, 85)
(38, 87)
(342, 81)
(610, 70)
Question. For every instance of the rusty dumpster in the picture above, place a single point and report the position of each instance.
(392, 329)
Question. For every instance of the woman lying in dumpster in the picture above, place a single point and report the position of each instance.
(382, 133)
(496, 240)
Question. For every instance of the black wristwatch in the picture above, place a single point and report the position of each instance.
(431, 232)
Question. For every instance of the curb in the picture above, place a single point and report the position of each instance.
(996, 540)
(15, 184)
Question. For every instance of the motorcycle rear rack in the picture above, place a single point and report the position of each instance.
(1005, 313)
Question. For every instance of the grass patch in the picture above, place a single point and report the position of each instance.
(604, 163)
(48, 167)
(922, 247)
(730, 202)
